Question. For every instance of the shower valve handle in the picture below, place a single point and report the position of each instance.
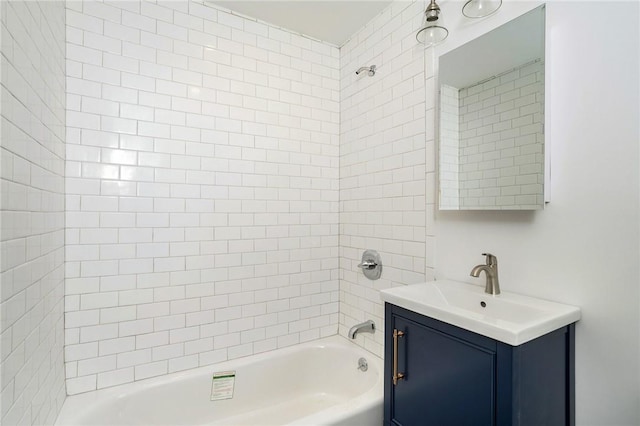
(368, 264)
(371, 264)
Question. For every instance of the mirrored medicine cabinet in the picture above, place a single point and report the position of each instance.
(491, 119)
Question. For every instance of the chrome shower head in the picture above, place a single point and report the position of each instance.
(371, 70)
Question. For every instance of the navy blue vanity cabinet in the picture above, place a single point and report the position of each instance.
(450, 376)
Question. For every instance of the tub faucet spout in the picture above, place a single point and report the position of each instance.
(367, 326)
(491, 271)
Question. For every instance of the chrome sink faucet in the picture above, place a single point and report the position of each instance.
(491, 271)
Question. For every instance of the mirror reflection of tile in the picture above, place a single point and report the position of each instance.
(492, 128)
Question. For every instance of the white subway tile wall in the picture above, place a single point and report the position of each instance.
(501, 141)
(32, 211)
(202, 189)
(431, 189)
(449, 148)
(382, 163)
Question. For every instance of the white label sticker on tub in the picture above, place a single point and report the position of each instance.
(222, 385)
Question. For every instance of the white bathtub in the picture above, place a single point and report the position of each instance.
(314, 383)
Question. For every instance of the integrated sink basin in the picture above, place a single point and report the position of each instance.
(509, 318)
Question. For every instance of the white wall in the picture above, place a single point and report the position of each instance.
(32, 212)
(382, 156)
(583, 249)
(202, 189)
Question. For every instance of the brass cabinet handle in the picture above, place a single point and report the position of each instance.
(396, 376)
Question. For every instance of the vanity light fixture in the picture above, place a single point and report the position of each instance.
(480, 8)
(433, 11)
(432, 33)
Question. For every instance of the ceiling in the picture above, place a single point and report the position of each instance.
(333, 21)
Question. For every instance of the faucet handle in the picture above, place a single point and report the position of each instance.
(491, 259)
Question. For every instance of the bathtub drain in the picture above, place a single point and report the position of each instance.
(363, 365)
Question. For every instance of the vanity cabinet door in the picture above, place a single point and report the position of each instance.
(447, 380)
(455, 377)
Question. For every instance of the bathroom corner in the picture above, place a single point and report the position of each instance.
(187, 189)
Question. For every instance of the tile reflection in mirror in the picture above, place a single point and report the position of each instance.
(492, 119)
